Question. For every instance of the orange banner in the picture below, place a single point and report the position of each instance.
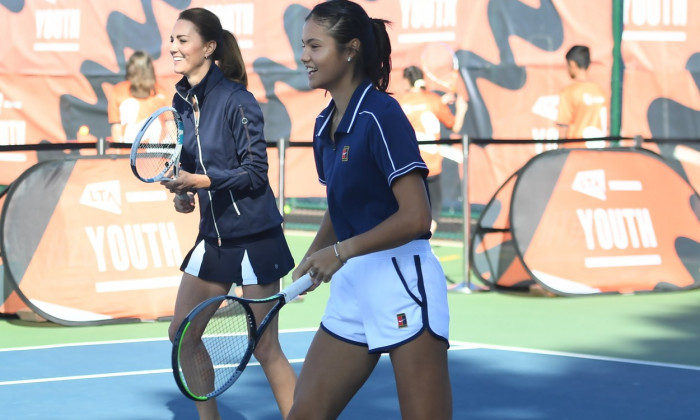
(592, 221)
(508, 57)
(102, 246)
(661, 86)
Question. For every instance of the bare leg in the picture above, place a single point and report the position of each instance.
(268, 352)
(196, 365)
(422, 379)
(193, 291)
(332, 373)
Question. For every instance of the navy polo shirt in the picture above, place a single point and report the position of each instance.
(375, 144)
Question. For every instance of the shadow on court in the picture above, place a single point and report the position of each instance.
(681, 325)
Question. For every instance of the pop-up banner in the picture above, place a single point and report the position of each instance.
(84, 242)
(494, 258)
(595, 221)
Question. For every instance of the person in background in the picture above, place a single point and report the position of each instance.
(426, 111)
(388, 292)
(224, 163)
(133, 100)
(582, 104)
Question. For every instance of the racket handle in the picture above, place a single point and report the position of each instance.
(183, 197)
(296, 288)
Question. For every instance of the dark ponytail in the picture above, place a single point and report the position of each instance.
(345, 21)
(227, 53)
(380, 68)
(230, 60)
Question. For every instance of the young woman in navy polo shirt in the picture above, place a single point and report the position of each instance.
(387, 289)
(224, 163)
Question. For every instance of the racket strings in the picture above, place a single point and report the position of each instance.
(157, 146)
(224, 345)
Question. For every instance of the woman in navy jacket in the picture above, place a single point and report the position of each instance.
(224, 162)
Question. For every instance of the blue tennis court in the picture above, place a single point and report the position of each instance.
(132, 380)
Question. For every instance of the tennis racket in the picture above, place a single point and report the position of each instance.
(155, 153)
(441, 67)
(215, 342)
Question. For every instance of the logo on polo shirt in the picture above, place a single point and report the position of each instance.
(401, 320)
(346, 153)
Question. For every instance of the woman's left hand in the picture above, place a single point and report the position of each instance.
(184, 203)
(321, 265)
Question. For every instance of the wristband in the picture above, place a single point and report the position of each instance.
(337, 254)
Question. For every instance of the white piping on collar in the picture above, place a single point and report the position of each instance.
(357, 108)
(325, 122)
(354, 114)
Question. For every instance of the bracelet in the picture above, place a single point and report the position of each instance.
(337, 254)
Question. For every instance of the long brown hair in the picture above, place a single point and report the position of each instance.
(140, 72)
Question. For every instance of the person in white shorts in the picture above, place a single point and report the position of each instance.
(387, 289)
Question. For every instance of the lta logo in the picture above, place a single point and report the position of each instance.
(103, 196)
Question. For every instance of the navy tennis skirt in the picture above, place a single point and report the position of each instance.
(267, 252)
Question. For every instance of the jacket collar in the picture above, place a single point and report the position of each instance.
(201, 89)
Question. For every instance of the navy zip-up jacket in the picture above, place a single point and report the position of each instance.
(228, 145)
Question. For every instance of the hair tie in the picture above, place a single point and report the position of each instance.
(419, 83)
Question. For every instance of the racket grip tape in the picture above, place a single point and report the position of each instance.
(296, 288)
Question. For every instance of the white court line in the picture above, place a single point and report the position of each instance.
(79, 377)
(135, 340)
(116, 374)
(107, 375)
(578, 356)
(92, 343)
(454, 346)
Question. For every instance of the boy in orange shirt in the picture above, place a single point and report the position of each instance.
(582, 105)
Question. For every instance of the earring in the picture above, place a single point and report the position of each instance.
(349, 59)
(206, 57)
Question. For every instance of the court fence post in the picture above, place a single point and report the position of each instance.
(466, 212)
(101, 146)
(638, 140)
(281, 151)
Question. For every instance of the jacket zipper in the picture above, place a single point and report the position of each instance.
(195, 113)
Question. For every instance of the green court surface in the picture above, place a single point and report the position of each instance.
(655, 327)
